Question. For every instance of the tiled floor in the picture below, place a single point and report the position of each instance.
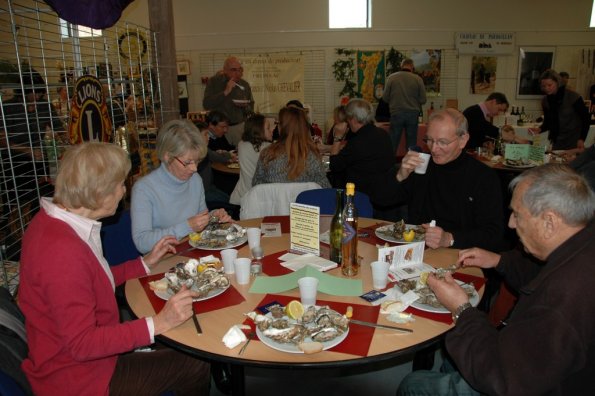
(358, 381)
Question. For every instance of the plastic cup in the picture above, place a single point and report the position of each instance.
(479, 151)
(421, 169)
(308, 287)
(379, 274)
(228, 256)
(242, 270)
(253, 237)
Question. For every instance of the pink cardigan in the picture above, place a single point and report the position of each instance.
(72, 320)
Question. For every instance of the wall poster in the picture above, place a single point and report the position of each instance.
(370, 74)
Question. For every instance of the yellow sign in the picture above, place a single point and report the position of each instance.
(305, 228)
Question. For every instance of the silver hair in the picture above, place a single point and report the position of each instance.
(360, 110)
(176, 137)
(453, 115)
(558, 188)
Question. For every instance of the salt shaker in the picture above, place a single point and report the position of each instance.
(256, 265)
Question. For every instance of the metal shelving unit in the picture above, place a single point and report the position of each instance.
(41, 57)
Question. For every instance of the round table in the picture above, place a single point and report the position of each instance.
(384, 345)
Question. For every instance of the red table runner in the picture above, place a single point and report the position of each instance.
(359, 338)
(284, 220)
(226, 299)
(476, 281)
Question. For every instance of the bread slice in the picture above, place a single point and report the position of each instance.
(310, 347)
(160, 284)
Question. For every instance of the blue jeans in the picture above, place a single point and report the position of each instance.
(403, 120)
(447, 382)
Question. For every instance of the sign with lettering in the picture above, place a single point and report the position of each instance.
(275, 79)
(485, 42)
(89, 118)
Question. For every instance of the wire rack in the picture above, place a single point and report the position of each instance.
(41, 57)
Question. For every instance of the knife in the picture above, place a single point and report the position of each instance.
(177, 254)
(195, 320)
(370, 324)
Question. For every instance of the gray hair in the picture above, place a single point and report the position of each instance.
(176, 137)
(360, 110)
(558, 188)
(453, 115)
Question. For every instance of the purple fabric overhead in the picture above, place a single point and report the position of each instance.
(97, 14)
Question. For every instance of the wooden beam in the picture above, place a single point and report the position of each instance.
(161, 21)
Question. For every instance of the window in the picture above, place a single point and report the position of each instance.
(592, 24)
(67, 30)
(350, 14)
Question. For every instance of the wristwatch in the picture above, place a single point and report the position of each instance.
(459, 311)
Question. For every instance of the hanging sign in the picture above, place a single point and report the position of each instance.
(89, 118)
(485, 42)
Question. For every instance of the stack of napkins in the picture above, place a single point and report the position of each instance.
(296, 262)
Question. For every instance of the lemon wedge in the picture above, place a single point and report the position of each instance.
(423, 278)
(349, 312)
(194, 236)
(408, 236)
(294, 310)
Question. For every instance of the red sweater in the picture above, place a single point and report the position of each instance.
(72, 321)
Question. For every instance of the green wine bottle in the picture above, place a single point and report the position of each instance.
(336, 231)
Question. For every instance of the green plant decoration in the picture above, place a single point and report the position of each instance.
(393, 61)
(344, 70)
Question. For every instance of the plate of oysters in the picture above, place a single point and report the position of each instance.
(217, 236)
(520, 163)
(427, 299)
(319, 329)
(400, 232)
(201, 276)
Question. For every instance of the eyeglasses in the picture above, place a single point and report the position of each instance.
(442, 143)
(187, 163)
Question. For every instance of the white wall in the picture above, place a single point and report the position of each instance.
(204, 28)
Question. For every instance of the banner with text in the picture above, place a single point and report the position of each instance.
(485, 42)
(275, 80)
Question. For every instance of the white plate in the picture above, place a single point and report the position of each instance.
(293, 348)
(387, 238)
(522, 166)
(165, 295)
(474, 300)
(229, 245)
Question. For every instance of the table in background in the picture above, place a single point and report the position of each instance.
(385, 344)
(224, 177)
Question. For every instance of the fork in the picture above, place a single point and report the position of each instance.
(250, 337)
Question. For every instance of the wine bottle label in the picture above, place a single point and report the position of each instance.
(348, 232)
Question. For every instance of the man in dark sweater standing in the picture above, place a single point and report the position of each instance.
(479, 118)
(460, 193)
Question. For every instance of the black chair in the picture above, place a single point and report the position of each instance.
(325, 198)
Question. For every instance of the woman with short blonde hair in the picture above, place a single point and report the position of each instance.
(66, 292)
(88, 173)
(171, 199)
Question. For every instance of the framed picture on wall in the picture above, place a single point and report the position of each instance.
(532, 62)
(183, 68)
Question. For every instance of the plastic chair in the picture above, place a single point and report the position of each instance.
(271, 199)
(325, 198)
(116, 238)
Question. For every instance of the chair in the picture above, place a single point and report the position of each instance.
(271, 199)
(116, 238)
(9, 387)
(325, 198)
